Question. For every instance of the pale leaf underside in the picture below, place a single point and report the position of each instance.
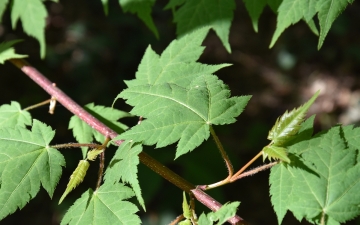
(143, 10)
(12, 115)
(292, 11)
(194, 14)
(32, 14)
(123, 166)
(104, 206)
(26, 162)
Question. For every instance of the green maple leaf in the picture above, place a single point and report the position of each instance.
(329, 10)
(274, 4)
(324, 189)
(255, 9)
(105, 6)
(124, 166)
(195, 14)
(281, 180)
(179, 97)
(12, 115)
(280, 189)
(177, 64)
(291, 12)
(84, 133)
(32, 14)
(143, 9)
(226, 212)
(172, 4)
(105, 206)
(3, 5)
(26, 162)
(7, 51)
(175, 113)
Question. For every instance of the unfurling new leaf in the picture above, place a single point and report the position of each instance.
(76, 178)
(287, 126)
(186, 207)
(285, 130)
(92, 154)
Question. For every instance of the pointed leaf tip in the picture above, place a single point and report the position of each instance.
(275, 152)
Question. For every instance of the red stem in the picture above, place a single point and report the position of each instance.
(153, 164)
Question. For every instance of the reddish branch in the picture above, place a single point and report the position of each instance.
(153, 164)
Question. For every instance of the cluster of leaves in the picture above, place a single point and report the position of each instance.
(29, 160)
(190, 15)
(321, 182)
(175, 107)
(180, 99)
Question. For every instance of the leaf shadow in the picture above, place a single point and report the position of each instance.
(113, 162)
(297, 162)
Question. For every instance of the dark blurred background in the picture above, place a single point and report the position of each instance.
(90, 54)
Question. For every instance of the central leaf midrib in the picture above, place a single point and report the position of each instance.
(26, 175)
(177, 101)
(22, 141)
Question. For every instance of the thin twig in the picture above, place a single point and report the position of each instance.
(254, 171)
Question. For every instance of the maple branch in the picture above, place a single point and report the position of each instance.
(153, 164)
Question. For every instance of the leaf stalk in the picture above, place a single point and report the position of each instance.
(75, 145)
(223, 153)
(248, 164)
(101, 163)
(38, 105)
